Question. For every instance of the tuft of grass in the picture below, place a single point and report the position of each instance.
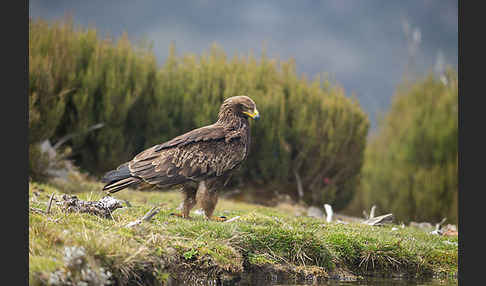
(262, 236)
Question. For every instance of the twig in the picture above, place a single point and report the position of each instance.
(232, 219)
(372, 211)
(380, 220)
(69, 136)
(438, 227)
(148, 216)
(152, 212)
(36, 210)
(50, 204)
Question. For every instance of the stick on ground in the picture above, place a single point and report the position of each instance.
(102, 208)
(50, 204)
(233, 219)
(380, 220)
(147, 217)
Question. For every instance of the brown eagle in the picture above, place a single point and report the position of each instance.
(205, 154)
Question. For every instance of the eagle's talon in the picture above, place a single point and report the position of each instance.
(179, 215)
(220, 218)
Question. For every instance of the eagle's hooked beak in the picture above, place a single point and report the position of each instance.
(255, 115)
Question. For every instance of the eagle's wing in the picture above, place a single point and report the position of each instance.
(200, 153)
(206, 133)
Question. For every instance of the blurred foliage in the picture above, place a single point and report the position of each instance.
(308, 128)
(410, 166)
(78, 80)
(38, 163)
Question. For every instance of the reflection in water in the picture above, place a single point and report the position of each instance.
(275, 280)
(383, 282)
(368, 282)
(258, 281)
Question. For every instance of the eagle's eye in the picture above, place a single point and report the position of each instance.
(244, 107)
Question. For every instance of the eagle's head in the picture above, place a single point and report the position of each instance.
(241, 106)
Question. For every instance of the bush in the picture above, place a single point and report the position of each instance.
(410, 165)
(78, 80)
(309, 129)
(38, 164)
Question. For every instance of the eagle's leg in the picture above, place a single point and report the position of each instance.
(189, 191)
(189, 200)
(207, 196)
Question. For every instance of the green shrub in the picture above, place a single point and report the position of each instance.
(410, 165)
(38, 164)
(78, 80)
(48, 77)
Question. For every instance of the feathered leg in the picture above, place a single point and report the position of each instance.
(207, 197)
(189, 202)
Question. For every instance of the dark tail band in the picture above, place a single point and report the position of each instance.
(119, 179)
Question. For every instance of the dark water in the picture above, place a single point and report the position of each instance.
(382, 282)
(246, 281)
(365, 282)
(280, 280)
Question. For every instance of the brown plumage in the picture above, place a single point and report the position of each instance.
(207, 155)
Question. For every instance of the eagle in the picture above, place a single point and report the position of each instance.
(205, 155)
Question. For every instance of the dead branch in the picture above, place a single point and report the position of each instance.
(147, 217)
(372, 213)
(71, 135)
(438, 225)
(48, 211)
(232, 219)
(36, 210)
(438, 229)
(102, 208)
(380, 220)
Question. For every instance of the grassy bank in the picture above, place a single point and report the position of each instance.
(265, 240)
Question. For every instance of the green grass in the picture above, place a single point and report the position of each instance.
(262, 236)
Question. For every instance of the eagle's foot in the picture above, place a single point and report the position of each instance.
(179, 215)
(218, 218)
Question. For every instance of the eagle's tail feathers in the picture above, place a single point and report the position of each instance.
(119, 179)
(114, 187)
(119, 173)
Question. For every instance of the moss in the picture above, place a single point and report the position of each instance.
(261, 237)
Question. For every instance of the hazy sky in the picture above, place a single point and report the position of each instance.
(361, 44)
